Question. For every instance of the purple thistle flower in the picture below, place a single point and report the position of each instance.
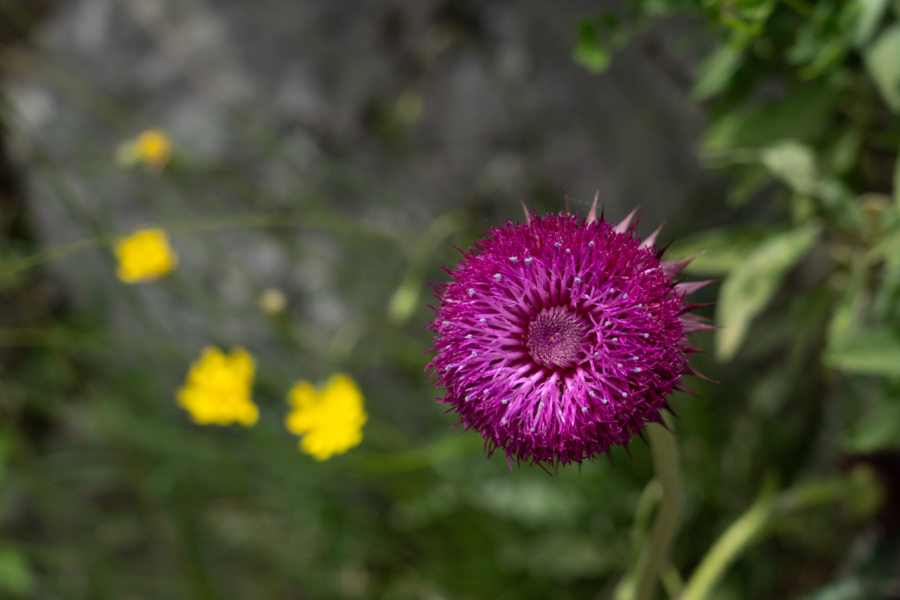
(558, 338)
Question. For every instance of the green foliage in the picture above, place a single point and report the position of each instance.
(871, 13)
(878, 429)
(595, 42)
(815, 131)
(717, 70)
(718, 251)
(896, 182)
(16, 578)
(881, 61)
(801, 101)
(801, 113)
(753, 282)
(867, 352)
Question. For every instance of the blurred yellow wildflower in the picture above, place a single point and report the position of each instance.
(330, 419)
(144, 255)
(272, 302)
(151, 147)
(218, 388)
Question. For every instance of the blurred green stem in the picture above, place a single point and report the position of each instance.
(730, 544)
(303, 220)
(655, 553)
(406, 297)
(862, 487)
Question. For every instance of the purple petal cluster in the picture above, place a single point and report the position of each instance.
(558, 338)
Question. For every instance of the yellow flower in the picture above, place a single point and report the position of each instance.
(218, 388)
(154, 148)
(272, 302)
(151, 147)
(330, 419)
(144, 255)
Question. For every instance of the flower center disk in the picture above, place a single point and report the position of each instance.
(555, 337)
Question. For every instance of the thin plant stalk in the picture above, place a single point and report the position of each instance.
(655, 554)
(861, 486)
(732, 542)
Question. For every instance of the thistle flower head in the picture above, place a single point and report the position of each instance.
(561, 337)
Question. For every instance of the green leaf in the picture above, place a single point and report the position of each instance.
(851, 588)
(717, 70)
(747, 181)
(752, 283)
(747, 17)
(794, 164)
(718, 251)
(16, 577)
(867, 353)
(6, 451)
(824, 38)
(868, 20)
(877, 430)
(848, 313)
(768, 395)
(589, 51)
(886, 300)
(841, 155)
(897, 183)
(802, 114)
(883, 64)
(847, 589)
(888, 249)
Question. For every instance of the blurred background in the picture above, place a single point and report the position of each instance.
(320, 163)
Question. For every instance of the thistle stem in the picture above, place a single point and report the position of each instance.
(655, 554)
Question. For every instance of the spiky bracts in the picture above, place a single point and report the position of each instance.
(558, 338)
